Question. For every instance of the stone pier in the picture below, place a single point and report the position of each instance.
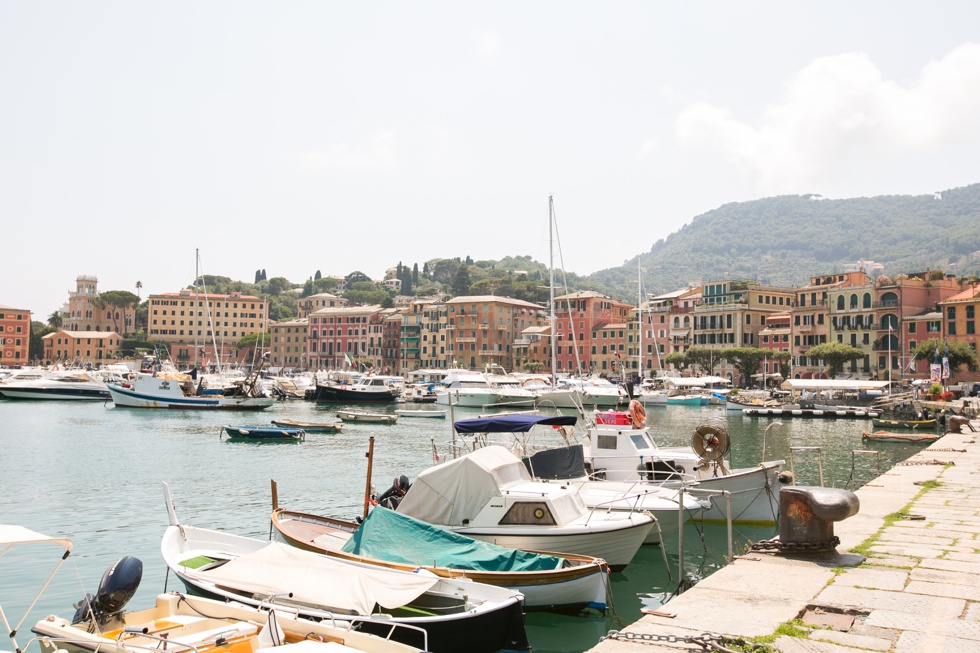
(905, 577)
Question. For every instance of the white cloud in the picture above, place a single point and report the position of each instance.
(377, 153)
(838, 110)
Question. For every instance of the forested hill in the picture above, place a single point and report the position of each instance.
(786, 240)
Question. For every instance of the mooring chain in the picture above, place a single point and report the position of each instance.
(948, 450)
(776, 545)
(707, 641)
(925, 462)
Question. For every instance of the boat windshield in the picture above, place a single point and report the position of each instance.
(641, 442)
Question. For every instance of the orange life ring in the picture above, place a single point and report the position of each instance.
(638, 414)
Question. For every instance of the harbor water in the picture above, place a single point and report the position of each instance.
(93, 472)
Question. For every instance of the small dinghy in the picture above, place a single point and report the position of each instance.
(309, 427)
(264, 433)
(422, 413)
(373, 418)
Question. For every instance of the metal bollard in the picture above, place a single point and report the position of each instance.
(807, 514)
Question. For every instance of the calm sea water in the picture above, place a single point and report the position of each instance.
(93, 472)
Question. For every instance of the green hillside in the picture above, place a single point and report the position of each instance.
(785, 240)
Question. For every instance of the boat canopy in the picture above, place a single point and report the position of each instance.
(511, 423)
(832, 384)
(311, 577)
(394, 537)
(11, 534)
(459, 489)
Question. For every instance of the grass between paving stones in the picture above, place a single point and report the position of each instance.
(864, 548)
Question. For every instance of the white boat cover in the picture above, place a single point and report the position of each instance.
(318, 579)
(459, 489)
(13, 534)
(832, 384)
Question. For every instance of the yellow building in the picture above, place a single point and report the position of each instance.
(81, 347)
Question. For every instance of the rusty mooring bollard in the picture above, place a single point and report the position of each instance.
(807, 514)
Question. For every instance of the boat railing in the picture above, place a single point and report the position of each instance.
(792, 460)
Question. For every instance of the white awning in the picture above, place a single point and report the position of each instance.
(12, 534)
(833, 384)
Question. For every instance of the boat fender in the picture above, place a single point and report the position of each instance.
(638, 414)
(785, 477)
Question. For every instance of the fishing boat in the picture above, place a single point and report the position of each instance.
(489, 495)
(389, 539)
(421, 413)
(264, 433)
(165, 388)
(186, 624)
(881, 422)
(309, 427)
(888, 436)
(456, 614)
(373, 418)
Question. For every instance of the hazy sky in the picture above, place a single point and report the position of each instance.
(341, 136)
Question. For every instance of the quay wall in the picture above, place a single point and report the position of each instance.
(913, 584)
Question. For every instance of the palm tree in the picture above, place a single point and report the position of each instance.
(54, 320)
(139, 286)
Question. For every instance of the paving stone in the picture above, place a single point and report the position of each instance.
(905, 621)
(906, 550)
(934, 606)
(892, 561)
(922, 539)
(944, 589)
(797, 645)
(882, 579)
(973, 558)
(958, 577)
(972, 612)
(852, 639)
(916, 642)
(950, 565)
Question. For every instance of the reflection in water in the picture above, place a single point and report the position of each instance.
(93, 472)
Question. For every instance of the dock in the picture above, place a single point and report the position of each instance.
(905, 577)
(840, 413)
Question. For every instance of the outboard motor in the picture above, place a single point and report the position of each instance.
(119, 583)
(393, 495)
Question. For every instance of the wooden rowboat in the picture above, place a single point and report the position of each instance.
(374, 418)
(888, 436)
(576, 581)
(310, 427)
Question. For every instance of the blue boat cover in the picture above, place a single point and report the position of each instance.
(388, 535)
(511, 423)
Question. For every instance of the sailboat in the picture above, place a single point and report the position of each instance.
(648, 396)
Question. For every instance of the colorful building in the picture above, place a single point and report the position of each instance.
(15, 336)
(590, 330)
(85, 312)
(959, 317)
(482, 329)
(93, 348)
(287, 344)
(345, 335)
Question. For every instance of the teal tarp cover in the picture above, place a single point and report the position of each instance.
(390, 536)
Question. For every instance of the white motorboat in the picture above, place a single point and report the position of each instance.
(559, 462)
(622, 453)
(456, 614)
(591, 392)
(35, 383)
(488, 494)
(466, 389)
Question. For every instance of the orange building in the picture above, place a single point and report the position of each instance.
(483, 329)
(15, 336)
(81, 347)
(590, 330)
(959, 315)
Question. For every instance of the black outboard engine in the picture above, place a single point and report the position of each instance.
(119, 583)
(393, 495)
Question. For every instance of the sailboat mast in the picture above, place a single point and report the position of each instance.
(639, 314)
(551, 282)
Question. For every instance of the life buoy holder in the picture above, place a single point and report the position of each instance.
(638, 414)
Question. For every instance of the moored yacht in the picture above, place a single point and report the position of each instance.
(35, 383)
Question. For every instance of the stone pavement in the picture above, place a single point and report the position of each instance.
(916, 591)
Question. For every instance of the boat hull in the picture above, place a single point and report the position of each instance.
(58, 394)
(341, 395)
(883, 436)
(616, 547)
(264, 433)
(128, 398)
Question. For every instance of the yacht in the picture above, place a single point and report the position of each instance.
(36, 383)
(467, 389)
